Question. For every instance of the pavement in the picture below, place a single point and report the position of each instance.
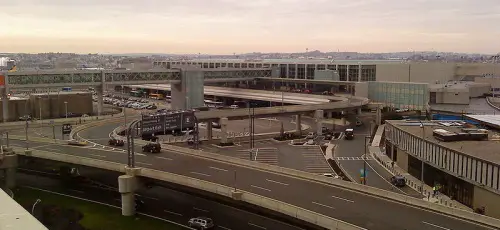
(356, 208)
(163, 203)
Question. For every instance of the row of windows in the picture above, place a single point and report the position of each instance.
(301, 71)
(459, 164)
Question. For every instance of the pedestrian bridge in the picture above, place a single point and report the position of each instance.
(60, 78)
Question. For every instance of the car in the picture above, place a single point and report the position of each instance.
(398, 181)
(115, 142)
(77, 143)
(25, 118)
(234, 107)
(359, 123)
(201, 223)
(331, 175)
(152, 147)
(216, 125)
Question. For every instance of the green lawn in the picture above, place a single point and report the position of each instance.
(96, 216)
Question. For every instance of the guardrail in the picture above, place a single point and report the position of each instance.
(491, 104)
(366, 190)
(271, 204)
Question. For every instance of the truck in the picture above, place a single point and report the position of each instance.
(349, 134)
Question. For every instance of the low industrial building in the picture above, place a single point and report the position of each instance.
(460, 158)
(51, 105)
(457, 92)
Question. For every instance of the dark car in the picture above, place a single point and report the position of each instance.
(398, 181)
(115, 142)
(152, 148)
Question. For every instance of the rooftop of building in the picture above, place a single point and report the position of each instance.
(486, 149)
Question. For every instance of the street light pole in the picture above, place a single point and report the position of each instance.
(364, 159)
(41, 121)
(66, 108)
(33, 208)
(422, 160)
(26, 133)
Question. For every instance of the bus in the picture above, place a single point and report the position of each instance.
(156, 96)
(66, 89)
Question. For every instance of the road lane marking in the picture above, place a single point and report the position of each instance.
(142, 163)
(257, 226)
(344, 199)
(173, 213)
(78, 191)
(218, 169)
(198, 173)
(323, 205)
(165, 158)
(199, 209)
(277, 182)
(436, 226)
(224, 227)
(97, 155)
(260, 188)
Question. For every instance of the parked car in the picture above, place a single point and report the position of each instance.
(115, 142)
(25, 118)
(311, 135)
(152, 147)
(398, 181)
(201, 223)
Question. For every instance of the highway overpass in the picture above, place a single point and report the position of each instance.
(249, 94)
(309, 81)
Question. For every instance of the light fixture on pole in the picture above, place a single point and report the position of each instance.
(422, 126)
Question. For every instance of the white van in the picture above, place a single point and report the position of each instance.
(234, 107)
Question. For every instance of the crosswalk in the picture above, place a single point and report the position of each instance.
(314, 160)
(353, 158)
(262, 155)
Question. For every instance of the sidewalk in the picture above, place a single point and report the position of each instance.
(411, 181)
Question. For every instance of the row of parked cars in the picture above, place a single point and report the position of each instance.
(134, 103)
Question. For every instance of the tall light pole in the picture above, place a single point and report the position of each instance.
(40, 111)
(66, 108)
(33, 207)
(364, 159)
(422, 160)
(26, 133)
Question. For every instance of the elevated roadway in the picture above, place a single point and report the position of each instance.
(362, 209)
(14, 217)
(261, 95)
(310, 81)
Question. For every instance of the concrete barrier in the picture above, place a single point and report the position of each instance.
(265, 202)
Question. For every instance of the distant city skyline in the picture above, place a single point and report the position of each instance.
(227, 26)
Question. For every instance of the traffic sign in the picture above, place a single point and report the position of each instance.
(66, 128)
(362, 173)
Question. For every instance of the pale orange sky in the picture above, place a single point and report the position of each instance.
(227, 26)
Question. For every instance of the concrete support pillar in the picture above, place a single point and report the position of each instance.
(5, 106)
(358, 111)
(127, 185)
(100, 103)
(178, 97)
(209, 130)
(9, 164)
(343, 121)
(298, 124)
(319, 121)
(223, 127)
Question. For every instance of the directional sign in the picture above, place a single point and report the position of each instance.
(66, 128)
(152, 124)
(362, 173)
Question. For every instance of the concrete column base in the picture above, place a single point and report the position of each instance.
(236, 195)
(127, 185)
(319, 121)
(132, 171)
(298, 124)
(28, 152)
(223, 126)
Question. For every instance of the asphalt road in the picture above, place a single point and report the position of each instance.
(357, 208)
(165, 203)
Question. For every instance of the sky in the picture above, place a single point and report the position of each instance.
(240, 26)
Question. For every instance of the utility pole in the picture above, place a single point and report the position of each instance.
(26, 133)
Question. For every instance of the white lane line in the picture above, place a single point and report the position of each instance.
(199, 209)
(173, 213)
(198, 173)
(142, 163)
(323, 205)
(97, 155)
(94, 145)
(165, 158)
(218, 169)
(261, 188)
(277, 182)
(224, 227)
(78, 191)
(436, 226)
(344, 199)
(257, 226)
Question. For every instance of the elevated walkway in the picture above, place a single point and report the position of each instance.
(14, 217)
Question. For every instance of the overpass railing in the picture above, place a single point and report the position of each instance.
(265, 202)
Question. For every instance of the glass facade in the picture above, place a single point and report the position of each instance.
(400, 95)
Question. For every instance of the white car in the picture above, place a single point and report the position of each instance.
(331, 175)
(234, 107)
(201, 223)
